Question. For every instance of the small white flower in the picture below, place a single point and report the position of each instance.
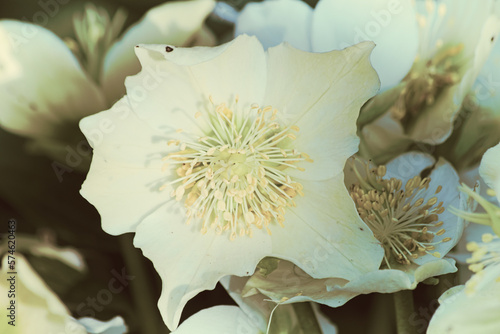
(38, 309)
(218, 157)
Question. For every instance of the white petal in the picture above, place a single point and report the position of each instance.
(126, 171)
(51, 92)
(47, 314)
(188, 261)
(333, 86)
(383, 139)
(217, 320)
(112, 326)
(390, 24)
(462, 313)
(184, 83)
(393, 280)
(335, 292)
(175, 23)
(445, 175)
(42, 246)
(277, 21)
(255, 307)
(485, 88)
(490, 169)
(326, 218)
(408, 165)
(10, 66)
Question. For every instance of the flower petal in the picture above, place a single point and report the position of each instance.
(490, 169)
(326, 217)
(444, 175)
(193, 78)
(51, 91)
(390, 24)
(407, 165)
(216, 320)
(47, 314)
(335, 292)
(176, 23)
(185, 271)
(126, 171)
(462, 313)
(11, 68)
(277, 21)
(333, 88)
(383, 140)
(115, 325)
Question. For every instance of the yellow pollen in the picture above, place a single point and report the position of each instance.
(487, 237)
(490, 192)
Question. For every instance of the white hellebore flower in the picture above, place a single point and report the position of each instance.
(52, 91)
(34, 308)
(406, 212)
(236, 154)
(334, 25)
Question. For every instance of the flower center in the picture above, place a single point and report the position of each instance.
(403, 220)
(433, 71)
(235, 177)
(426, 81)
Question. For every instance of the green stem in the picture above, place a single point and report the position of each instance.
(143, 297)
(307, 318)
(403, 304)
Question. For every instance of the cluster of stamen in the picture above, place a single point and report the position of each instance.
(401, 218)
(490, 217)
(429, 77)
(235, 177)
(484, 254)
